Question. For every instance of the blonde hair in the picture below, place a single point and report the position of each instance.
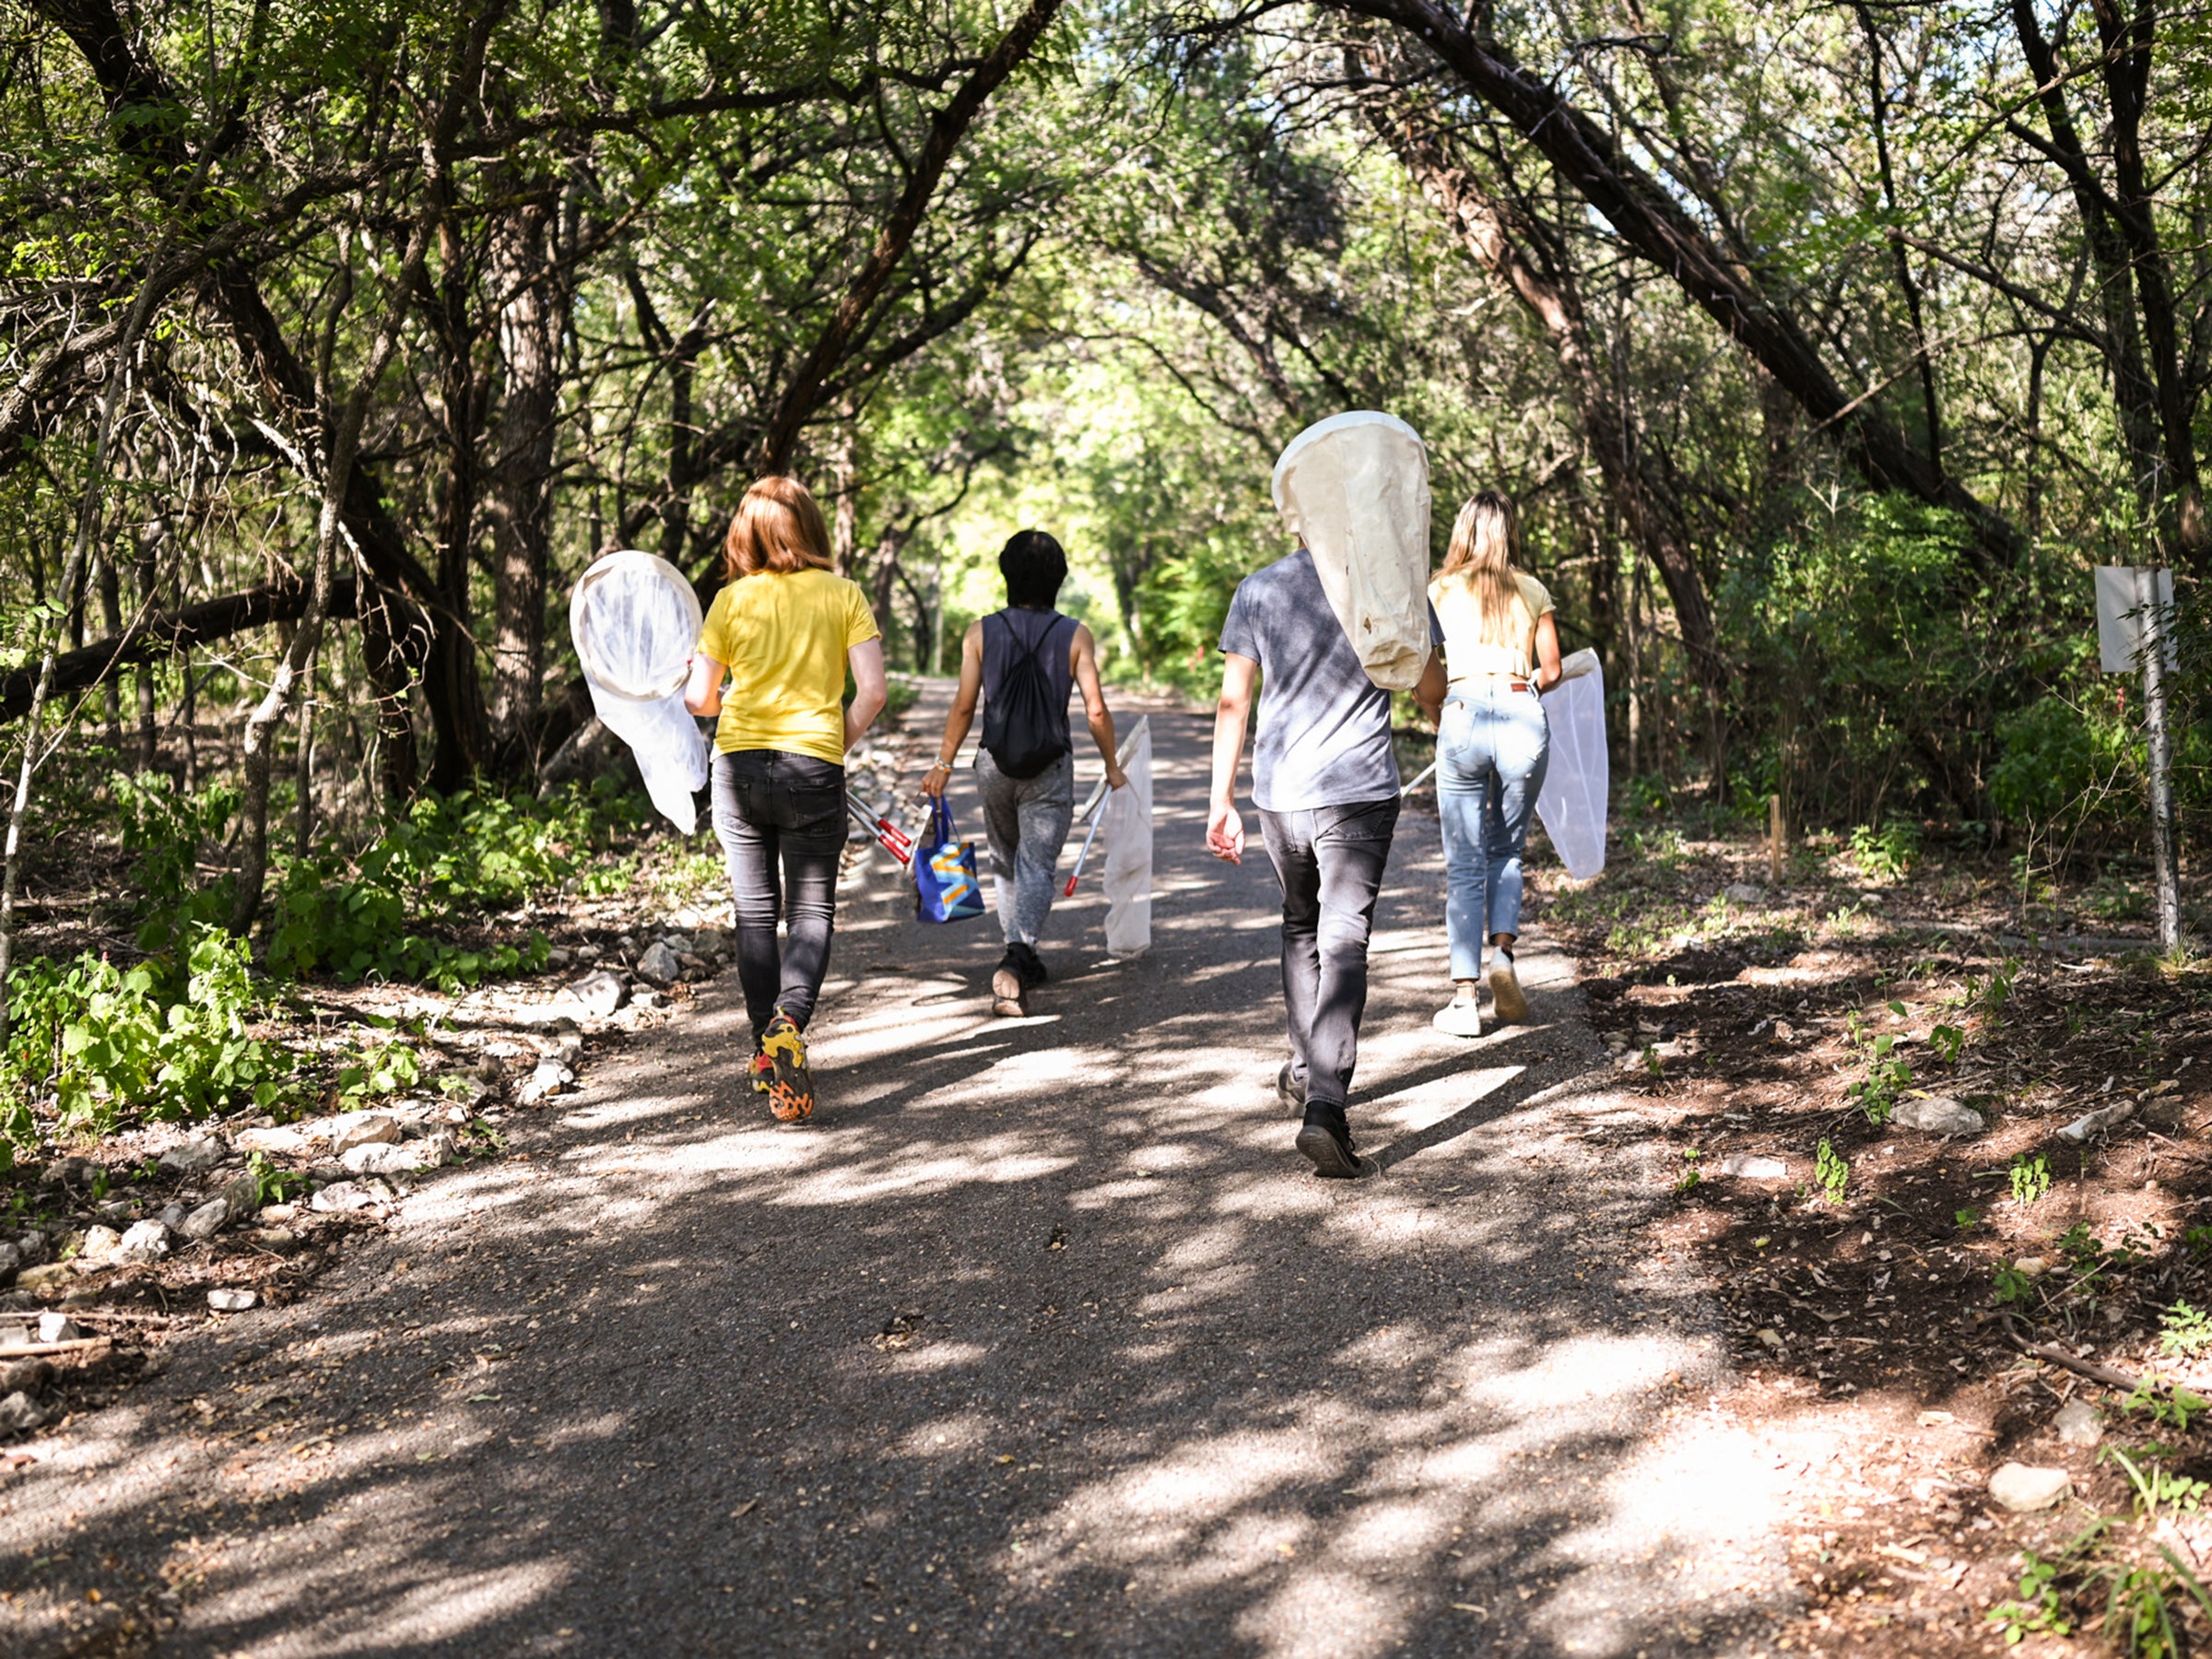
(1484, 555)
(777, 528)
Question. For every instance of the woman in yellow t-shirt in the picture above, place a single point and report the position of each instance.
(1501, 647)
(781, 634)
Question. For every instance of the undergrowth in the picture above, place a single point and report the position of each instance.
(188, 1030)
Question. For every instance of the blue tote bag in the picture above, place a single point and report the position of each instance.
(947, 888)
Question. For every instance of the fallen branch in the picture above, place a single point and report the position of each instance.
(2068, 1360)
(201, 624)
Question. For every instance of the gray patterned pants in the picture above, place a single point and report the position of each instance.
(1026, 821)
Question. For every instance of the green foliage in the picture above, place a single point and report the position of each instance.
(163, 829)
(2158, 1487)
(1886, 853)
(2039, 1609)
(1946, 1041)
(1830, 1172)
(376, 1070)
(2065, 765)
(271, 1184)
(1875, 647)
(2012, 1286)
(448, 863)
(1967, 1219)
(2185, 1331)
(2030, 1177)
(1886, 1076)
(94, 1041)
(2171, 1408)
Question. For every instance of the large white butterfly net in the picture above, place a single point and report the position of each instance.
(635, 622)
(1577, 782)
(1354, 489)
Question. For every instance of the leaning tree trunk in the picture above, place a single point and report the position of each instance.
(1485, 224)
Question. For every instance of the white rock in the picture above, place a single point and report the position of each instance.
(284, 1137)
(19, 1413)
(145, 1242)
(2022, 1488)
(350, 1195)
(599, 993)
(1745, 1166)
(2032, 1267)
(193, 1155)
(557, 957)
(59, 1327)
(173, 1216)
(100, 1243)
(2082, 1128)
(549, 1079)
(231, 1301)
(660, 965)
(1743, 892)
(207, 1220)
(381, 1158)
(1937, 1115)
(353, 1129)
(2076, 1424)
(11, 1258)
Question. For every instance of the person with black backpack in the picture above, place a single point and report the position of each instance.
(1022, 661)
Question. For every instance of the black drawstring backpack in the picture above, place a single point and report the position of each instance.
(1023, 733)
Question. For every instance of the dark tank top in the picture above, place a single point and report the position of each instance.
(1010, 634)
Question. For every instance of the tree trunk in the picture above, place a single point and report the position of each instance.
(803, 390)
(521, 485)
(1486, 226)
(464, 59)
(1651, 221)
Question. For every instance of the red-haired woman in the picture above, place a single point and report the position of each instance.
(781, 633)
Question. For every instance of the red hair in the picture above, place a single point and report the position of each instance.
(777, 528)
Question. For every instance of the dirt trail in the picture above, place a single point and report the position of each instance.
(1039, 1339)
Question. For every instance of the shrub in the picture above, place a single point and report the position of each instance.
(446, 862)
(92, 1041)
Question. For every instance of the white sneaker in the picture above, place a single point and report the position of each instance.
(1459, 1018)
(1507, 1001)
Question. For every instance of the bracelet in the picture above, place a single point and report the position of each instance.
(942, 766)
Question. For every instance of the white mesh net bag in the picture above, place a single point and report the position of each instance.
(1354, 489)
(1576, 781)
(635, 622)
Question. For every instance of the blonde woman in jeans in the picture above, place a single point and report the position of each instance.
(1501, 647)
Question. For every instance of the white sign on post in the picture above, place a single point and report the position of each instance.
(2119, 616)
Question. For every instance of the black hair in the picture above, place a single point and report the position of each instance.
(1034, 567)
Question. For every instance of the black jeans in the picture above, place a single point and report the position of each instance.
(1330, 862)
(780, 814)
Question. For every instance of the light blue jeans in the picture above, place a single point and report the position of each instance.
(1492, 746)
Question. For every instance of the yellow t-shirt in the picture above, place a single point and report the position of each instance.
(784, 638)
(1466, 655)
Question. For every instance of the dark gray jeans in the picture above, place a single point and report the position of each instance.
(781, 820)
(1330, 862)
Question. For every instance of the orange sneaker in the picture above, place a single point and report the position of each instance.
(790, 1086)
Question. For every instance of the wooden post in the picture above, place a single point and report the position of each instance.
(1774, 840)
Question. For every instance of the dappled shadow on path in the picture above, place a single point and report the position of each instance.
(1039, 1340)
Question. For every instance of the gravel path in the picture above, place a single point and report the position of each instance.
(1039, 1339)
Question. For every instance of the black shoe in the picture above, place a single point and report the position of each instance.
(1327, 1141)
(1031, 965)
(1288, 1089)
(1009, 985)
